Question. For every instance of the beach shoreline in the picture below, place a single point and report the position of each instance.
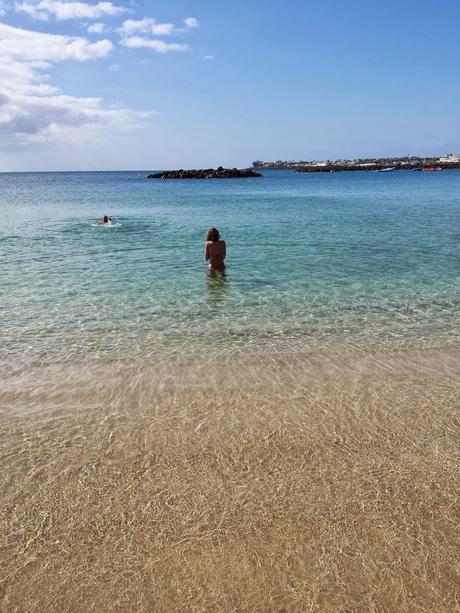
(302, 486)
(286, 439)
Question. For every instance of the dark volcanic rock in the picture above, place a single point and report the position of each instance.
(207, 173)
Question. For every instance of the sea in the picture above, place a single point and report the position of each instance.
(323, 263)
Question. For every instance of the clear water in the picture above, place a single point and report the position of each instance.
(365, 260)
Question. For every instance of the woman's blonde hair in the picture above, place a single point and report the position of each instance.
(213, 235)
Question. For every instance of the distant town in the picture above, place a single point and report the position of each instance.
(377, 164)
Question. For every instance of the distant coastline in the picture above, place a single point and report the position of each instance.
(366, 164)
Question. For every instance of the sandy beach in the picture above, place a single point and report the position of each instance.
(295, 484)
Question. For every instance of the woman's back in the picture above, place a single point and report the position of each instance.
(215, 252)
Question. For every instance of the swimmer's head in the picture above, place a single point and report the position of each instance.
(213, 235)
(105, 219)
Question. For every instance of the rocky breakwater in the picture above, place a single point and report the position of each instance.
(207, 173)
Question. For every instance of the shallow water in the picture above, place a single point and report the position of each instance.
(278, 484)
(363, 260)
(281, 438)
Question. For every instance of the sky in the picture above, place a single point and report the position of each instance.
(121, 85)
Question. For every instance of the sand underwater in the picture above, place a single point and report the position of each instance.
(285, 438)
(297, 484)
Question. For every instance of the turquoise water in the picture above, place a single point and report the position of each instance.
(366, 260)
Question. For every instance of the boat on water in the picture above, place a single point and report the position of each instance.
(433, 169)
(387, 169)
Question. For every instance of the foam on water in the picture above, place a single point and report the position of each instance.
(106, 225)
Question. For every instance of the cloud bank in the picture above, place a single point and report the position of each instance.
(21, 46)
(34, 111)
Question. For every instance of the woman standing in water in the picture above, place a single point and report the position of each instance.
(215, 251)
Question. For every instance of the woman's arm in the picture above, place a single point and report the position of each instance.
(207, 255)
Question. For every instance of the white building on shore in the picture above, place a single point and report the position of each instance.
(450, 158)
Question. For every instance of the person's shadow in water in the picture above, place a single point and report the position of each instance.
(217, 283)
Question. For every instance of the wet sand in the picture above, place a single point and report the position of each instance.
(295, 483)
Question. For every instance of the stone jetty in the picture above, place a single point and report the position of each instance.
(206, 173)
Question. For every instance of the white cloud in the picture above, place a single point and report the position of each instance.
(131, 26)
(162, 29)
(69, 10)
(32, 10)
(209, 57)
(35, 118)
(3, 8)
(96, 28)
(34, 111)
(191, 22)
(159, 46)
(136, 25)
(27, 45)
(114, 67)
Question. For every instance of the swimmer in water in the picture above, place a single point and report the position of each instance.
(105, 220)
(215, 251)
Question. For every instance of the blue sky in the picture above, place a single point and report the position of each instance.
(168, 84)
